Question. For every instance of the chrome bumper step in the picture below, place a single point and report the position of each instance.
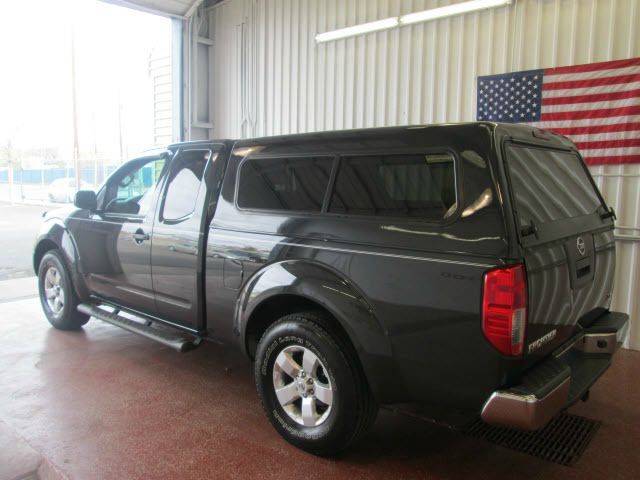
(560, 380)
(178, 341)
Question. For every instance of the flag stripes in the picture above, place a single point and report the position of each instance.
(597, 105)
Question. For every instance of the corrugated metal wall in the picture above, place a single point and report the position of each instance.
(160, 71)
(270, 77)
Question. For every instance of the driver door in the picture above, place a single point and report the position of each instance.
(115, 241)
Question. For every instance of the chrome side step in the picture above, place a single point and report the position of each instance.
(179, 341)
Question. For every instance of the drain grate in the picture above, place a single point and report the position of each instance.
(562, 441)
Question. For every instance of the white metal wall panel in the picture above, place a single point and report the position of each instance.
(160, 71)
(270, 77)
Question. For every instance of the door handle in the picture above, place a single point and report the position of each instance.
(140, 236)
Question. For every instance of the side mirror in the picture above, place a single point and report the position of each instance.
(86, 199)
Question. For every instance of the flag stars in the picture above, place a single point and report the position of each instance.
(510, 97)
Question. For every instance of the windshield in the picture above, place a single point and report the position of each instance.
(549, 185)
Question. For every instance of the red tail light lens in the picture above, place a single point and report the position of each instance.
(504, 309)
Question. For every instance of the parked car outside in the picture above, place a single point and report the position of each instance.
(63, 190)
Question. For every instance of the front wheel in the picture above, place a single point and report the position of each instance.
(58, 299)
(311, 386)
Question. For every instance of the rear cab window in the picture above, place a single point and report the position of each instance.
(183, 185)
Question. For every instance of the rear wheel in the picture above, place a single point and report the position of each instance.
(311, 385)
(58, 299)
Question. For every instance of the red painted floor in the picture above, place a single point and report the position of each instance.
(106, 404)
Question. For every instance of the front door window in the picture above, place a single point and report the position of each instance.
(132, 193)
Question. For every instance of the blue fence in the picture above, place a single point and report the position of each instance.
(48, 175)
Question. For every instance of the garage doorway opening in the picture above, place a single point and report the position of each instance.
(93, 87)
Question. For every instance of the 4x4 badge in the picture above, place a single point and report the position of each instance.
(581, 246)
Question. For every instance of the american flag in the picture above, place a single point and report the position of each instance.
(597, 105)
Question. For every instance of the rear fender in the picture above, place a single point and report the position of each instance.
(342, 299)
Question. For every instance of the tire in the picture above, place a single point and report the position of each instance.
(57, 296)
(326, 414)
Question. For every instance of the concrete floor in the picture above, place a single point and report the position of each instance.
(106, 404)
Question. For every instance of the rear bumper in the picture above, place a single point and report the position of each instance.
(560, 380)
(525, 411)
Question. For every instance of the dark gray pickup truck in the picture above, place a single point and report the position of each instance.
(466, 267)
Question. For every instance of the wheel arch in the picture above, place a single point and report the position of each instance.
(275, 307)
(54, 235)
(294, 286)
(42, 247)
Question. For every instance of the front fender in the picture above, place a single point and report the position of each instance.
(318, 283)
(52, 232)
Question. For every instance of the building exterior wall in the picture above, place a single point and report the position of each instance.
(268, 76)
(160, 73)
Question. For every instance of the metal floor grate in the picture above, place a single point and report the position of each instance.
(562, 441)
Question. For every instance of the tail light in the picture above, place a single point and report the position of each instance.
(504, 309)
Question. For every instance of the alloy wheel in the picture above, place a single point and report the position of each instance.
(302, 386)
(54, 293)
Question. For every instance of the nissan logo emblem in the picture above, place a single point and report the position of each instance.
(581, 246)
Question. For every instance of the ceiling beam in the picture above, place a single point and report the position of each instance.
(134, 5)
(192, 9)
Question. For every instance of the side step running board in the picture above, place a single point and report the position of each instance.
(178, 341)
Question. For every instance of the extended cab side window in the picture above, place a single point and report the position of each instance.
(184, 183)
(131, 193)
(396, 185)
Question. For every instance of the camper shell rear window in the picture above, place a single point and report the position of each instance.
(549, 185)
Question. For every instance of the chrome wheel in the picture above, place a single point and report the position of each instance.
(53, 291)
(302, 386)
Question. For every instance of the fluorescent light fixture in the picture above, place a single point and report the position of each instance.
(450, 10)
(383, 24)
(416, 17)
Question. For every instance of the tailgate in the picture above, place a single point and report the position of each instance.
(567, 242)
